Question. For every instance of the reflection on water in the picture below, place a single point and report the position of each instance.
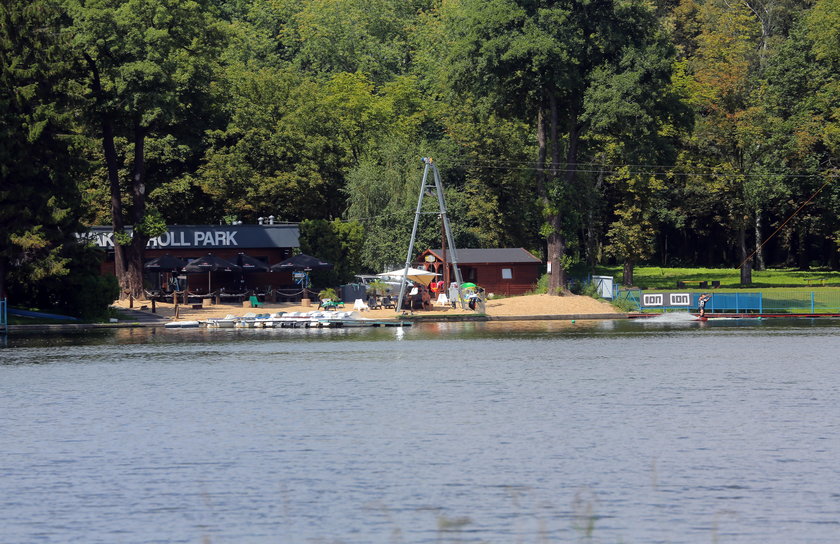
(532, 431)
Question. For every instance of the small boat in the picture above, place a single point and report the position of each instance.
(314, 319)
(227, 322)
(182, 324)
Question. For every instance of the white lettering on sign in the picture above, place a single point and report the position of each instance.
(181, 238)
(163, 240)
(167, 239)
(680, 299)
(653, 299)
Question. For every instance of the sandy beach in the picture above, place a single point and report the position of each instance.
(525, 306)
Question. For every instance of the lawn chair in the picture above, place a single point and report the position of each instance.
(373, 304)
(255, 302)
(328, 304)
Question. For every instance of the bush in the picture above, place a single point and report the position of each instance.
(378, 287)
(328, 293)
(80, 292)
(624, 305)
(541, 287)
(89, 296)
(590, 290)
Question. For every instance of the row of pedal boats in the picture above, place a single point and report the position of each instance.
(315, 319)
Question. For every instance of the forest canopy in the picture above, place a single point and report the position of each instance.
(606, 131)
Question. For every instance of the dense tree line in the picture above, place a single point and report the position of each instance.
(675, 132)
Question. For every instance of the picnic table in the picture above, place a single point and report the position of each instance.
(701, 284)
(815, 281)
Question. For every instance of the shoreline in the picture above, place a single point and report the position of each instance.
(519, 308)
(58, 327)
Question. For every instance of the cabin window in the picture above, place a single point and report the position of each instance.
(507, 273)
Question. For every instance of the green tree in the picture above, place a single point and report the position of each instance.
(636, 116)
(148, 62)
(536, 62)
(337, 242)
(823, 28)
(728, 135)
(277, 154)
(39, 200)
(350, 36)
(803, 94)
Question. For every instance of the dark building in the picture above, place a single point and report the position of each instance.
(266, 243)
(503, 271)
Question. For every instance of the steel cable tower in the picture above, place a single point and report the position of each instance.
(438, 187)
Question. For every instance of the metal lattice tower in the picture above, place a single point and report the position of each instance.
(437, 186)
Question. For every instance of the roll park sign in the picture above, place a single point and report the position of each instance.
(208, 237)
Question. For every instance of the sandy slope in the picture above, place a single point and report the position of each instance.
(529, 305)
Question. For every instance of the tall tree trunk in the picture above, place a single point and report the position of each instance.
(629, 266)
(118, 225)
(112, 168)
(746, 267)
(556, 240)
(136, 250)
(592, 247)
(833, 261)
(555, 245)
(802, 247)
(759, 239)
(542, 192)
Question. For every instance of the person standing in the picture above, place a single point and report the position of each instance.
(453, 294)
(702, 303)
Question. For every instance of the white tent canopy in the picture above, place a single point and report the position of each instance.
(414, 274)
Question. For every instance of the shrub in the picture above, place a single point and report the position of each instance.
(541, 287)
(624, 305)
(328, 293)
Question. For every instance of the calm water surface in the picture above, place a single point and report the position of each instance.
(505, 432)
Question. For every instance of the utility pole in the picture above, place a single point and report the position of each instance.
(438, 187)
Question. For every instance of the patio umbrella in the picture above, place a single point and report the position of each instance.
(414, 274)
(468, 285)
(165, 263)
(300, 262)
(251, 264)
(210, 263)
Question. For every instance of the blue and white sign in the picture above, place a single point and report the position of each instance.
(666, 300)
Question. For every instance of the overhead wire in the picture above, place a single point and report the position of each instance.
(785, 222)
(654, 169)
(659, 169)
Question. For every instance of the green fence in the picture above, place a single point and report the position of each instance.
(777, 301)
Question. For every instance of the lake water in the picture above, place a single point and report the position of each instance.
(527, 432)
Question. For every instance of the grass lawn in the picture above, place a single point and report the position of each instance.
(654, 277)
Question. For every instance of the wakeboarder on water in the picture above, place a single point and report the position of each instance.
(702, 304)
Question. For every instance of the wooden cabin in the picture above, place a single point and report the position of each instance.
(503, 271)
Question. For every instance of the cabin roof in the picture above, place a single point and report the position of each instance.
(498, 255)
